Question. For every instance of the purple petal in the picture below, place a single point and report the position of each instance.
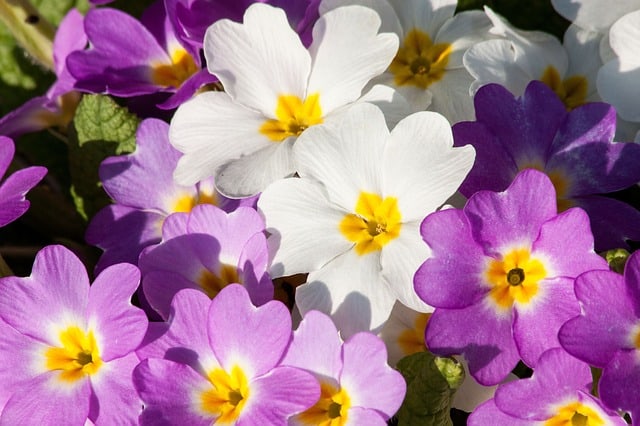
(366, 416)
(121, 326)
(632, 280)
(606, 321)
(253, 265)
(7, 151)
(480, 334)
(500, 220)
(488, 414)
(613, 222)
(240, 331)
(558, 377)
(13, 191)
(56, 292)
(188, 88)
(535, 328)
(452, 277)
(619, 386)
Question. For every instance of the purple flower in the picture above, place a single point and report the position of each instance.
(13, 203)
(207, 250)
(556, 394)
(574, 149)
(67, 348)
(357, 386)
(145, 194)
(58, 106)
(606, 334)
(193, 17)
(226, 354)
(501, 275)
(129, 58)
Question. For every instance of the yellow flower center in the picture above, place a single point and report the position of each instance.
(212, 283)
(572, 91)
(294, 116)
(186, 203)
(575, 414)
(182, 67)
(419, 62)
(560, 183)
(228, 396)
(77, 357)
(634, 336)
(330, 410)
(375, 223)
(514, 278)
(411, 340)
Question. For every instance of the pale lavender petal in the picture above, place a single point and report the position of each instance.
(566, 241)
(70, 37)
(253, 269)
(240, 332)
(606, 321)
(56, 292)
(316, 346)
(452, 276)
(281, 393)
(169, 401)
(160, 287)
(114, 399)
(365, 416)
(619, 386)
(7, 151)
(500, 220)
(488, 414)
(632, 280)
(558, 377)
(45, 403)
(123, 232)
(37, 113)
(480, 334)
(120, 325)
(535, 327)
(367, 377)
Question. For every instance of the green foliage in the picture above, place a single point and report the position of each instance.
(431, 386)
(101, 128)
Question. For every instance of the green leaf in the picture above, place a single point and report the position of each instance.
(431, 385)
(101, 128)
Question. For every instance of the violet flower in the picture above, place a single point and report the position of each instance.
(67, 348)
(501, 275)
(574, 149)
(219, 362)
(606, 334)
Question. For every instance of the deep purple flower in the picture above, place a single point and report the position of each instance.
(219, 362)
(207, 249)
(607, 333)
(13, 203)
(556, 394)
(67, 348)
(574, 149)
(128, 57)
(501, 275)
(145, 193)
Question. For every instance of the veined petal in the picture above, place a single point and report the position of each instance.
(303, 226)
(258, 60)
(427, 16)
(619, 88)
(212, 130)
(462, 31)
(594, 15)
(347, 52)
(389, 19)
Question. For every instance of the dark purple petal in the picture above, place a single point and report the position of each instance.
(619, 386)
(613, 222)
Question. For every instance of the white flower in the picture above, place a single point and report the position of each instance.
(352, 218)
(428, 69)
(570, 68)
(595, 15)
(274, 90)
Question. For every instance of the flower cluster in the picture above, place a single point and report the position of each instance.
(322, 212)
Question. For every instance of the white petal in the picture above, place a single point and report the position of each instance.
(393, 104)
(388, 17)
(621, 89)
(351, 290)
(427, 16)
(417, 98)
(303, 226)
(259, 60)
(464, 30)
(624, 39)
(596, 15)
(252, 173)
(451, 96)
(627, 131)
(493, 61)
(421, 167)
(210, 129)
(347, 52)
(584, 59)
(345, 156)
(400, 260)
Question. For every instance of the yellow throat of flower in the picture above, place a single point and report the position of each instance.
(330, 410)
(211, 283)
(294, 116)
(76, 357)
(227, 397)
(575, 414)
(182, 67)
(186, 203)
(419, 62)
(572, 91)
(375, 223)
